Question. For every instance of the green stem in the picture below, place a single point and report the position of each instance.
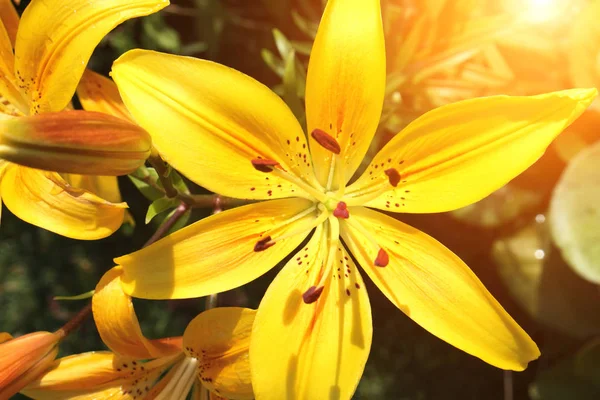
(168, 224)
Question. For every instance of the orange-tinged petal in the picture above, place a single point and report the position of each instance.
(219, 338)
(10, 19)
(437, 290)
(24, 358)
(118, 325)
(346, 82)
(97, 375)
(209, 122)
(317, 350)
(458, 154)
(44, 199)
(216, 253)
(56, 39)
(98, 93)
(81, 142)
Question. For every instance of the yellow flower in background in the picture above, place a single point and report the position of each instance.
(52, 44)
(226, 132)
(212, 354)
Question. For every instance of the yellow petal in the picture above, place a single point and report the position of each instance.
(458, 154)
(56, 39)
(118, 325)
(97, 93)
(346, 82)
(9, 88)
(97, 375)
(219, 338)
(318, 350)
(10, 19)
(106, 187)
(44, 199)
(437, 290)
(214, 254)
(81, 142)
(209, 122)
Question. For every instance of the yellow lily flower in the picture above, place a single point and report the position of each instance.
(212, 354)
(52, 44)
(232, 135)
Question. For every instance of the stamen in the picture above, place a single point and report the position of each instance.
(341, 211)
(326, 141)
(180, 385)
(333, 243)
(393, 175)
(312, 294)
(268, 241)
(264, 165)
(383, 259)
(263, 244)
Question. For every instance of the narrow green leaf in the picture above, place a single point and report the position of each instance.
(158, 206)
(81, 296)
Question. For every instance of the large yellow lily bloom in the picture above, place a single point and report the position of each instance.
(232, 135)
(212, 354)
(52, 44)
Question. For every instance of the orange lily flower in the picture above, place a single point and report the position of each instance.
(232, 135)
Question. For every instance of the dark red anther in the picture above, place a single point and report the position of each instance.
(263, 244)
(382, 259)
(263, 165)
(326, 140)
(312, 294)
(393, 175)
(341, 211)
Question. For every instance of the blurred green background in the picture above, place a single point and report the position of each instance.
(437, 53)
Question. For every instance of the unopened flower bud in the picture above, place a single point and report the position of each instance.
(80, 142)
(25, 358)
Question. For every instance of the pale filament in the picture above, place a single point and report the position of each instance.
(353, 222)
(312, 191)
(306, 226)
(179, 386)
(333, 243)
(364, 195)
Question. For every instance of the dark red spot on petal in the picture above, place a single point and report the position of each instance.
(382, 259)
(263, 165)
(393, 175)
(312, 294)
(341, 211)
(326, 140)
(263, 244)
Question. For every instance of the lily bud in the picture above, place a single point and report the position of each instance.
(24, 359)
(80, 142)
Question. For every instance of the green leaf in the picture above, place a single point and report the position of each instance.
(81, 296)
(150, 192)
(575, 214)
(544, 285)
(178, 182)
(159, 35)
(158, 206)
(283, 45)
(290, 88)
(273, 62)
(181, 222)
